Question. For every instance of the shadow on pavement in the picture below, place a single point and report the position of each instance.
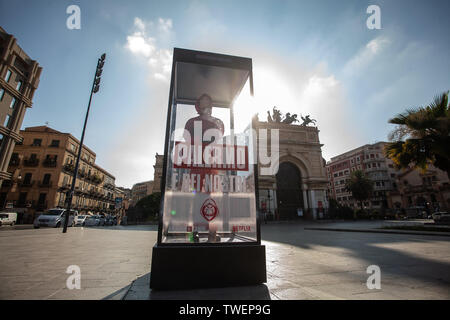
(140, 290)
(140, 227)
(370, 247)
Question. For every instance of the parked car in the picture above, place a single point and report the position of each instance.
(441, 217)
(102, 220)
(54, 218)
(108, 220)
(8, 218)
(79, 220)
(114, 221)
(91, 221)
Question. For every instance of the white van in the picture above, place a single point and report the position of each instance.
(54, 218)
(8, 218)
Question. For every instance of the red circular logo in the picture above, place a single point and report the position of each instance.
(209, 209)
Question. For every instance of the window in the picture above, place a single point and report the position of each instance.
(19, 85)
(42, 197)
(2, 93)
(46, 180)
(73, 148)
(13, 103)
(37, 142)
(55, 143)
(8, 75)
(7, 119)
(22, 198)
(27, 178)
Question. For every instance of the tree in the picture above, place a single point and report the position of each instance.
(360, 186)
(422, 136)
(147, 207)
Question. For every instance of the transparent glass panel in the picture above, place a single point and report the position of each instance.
(210, 186)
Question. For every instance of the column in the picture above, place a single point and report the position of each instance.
(305, 197)
(312, 202)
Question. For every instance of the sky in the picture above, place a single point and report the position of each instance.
(309, 57)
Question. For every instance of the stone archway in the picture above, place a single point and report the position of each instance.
(289, 191)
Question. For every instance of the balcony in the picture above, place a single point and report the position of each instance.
(26, 184)
(40, 205)
(65, 186)
(45, 184)
(49, 163)
(108, 186)
(96, 179)
(31, 162)
(69, 168)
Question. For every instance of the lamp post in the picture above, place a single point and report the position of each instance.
(95, 88)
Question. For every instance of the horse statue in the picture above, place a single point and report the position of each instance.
(288, 119)
(307, 120)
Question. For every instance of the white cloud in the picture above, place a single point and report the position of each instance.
(159, 58)
(165, 25)
(365, 56)
(139, 24)
(139, 45)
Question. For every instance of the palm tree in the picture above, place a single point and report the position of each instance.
(360, 186)
(422, 136)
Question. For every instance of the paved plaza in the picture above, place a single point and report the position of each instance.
(303, 262)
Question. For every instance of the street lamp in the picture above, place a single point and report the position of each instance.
(95, 88)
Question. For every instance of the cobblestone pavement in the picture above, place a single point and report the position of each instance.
(301, 264)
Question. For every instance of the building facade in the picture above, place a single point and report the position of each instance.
(122, 199)
(157, 175)
(370, 159)
(427, 190)
(19, 79)
(42, 168)
(141, 190)
(299, 187)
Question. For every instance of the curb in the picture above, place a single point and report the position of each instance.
(430, 233)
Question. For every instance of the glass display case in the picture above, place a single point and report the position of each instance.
(209, 180)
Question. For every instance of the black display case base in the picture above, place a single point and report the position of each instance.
(176, 267)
